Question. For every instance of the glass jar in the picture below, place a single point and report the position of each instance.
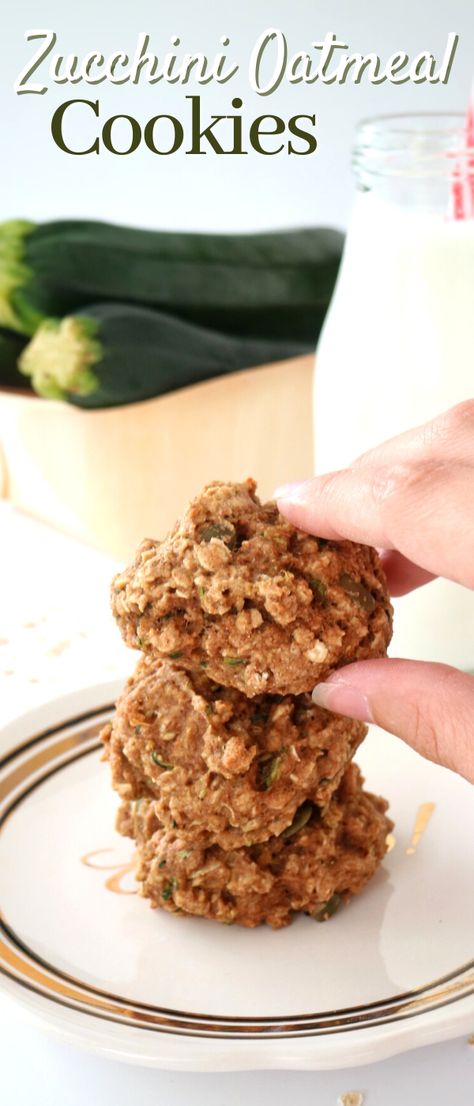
(397, 347)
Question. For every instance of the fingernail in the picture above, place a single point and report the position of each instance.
(293, 493)
(341, 698)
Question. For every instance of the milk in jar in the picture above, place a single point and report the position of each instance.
(397, 347)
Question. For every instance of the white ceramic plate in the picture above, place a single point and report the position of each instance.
(87, 958)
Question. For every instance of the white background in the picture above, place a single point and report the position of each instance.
(210, 192)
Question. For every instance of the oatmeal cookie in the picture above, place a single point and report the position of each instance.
(238, 591)
(226, 769)
(318, 863)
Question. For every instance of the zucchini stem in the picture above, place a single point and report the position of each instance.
(14, 276)
(60, 357)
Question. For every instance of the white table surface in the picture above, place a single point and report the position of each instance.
(56, 635)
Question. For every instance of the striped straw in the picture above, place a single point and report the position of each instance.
(462, 187)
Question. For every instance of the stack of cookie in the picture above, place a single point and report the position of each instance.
(239, 791)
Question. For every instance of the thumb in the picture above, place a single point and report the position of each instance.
(430, 706)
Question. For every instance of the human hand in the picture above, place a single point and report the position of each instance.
(413, 498)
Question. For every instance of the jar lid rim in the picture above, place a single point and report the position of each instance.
(410, 123)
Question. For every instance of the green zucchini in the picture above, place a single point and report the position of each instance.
(11, 346)
(275, 284)
(112, 354)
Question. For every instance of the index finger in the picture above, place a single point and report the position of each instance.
(421, 504)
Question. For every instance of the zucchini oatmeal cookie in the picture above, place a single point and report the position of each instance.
(261, 606)
(220, 767)
(318, 863)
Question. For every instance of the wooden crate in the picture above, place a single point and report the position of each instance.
(111, 477)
